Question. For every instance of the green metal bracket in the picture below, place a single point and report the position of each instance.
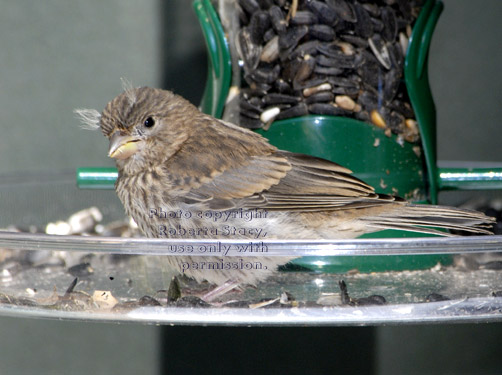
(417, 83)
(219, 67)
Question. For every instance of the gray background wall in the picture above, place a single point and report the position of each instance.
(464, 71)
(56, 56)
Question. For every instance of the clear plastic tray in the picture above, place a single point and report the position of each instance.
(44, 266)
(125, 279)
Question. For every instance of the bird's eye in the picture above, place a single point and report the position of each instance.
(149, 122)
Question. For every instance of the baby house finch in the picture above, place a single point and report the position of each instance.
(185, 174)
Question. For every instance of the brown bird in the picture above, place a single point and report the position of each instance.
(185, 174)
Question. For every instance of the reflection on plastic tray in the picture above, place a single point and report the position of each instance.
(124, 279)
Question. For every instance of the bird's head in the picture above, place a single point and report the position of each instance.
(144, 126)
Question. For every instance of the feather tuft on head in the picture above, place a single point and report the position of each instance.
(89, 118)
(129, 90)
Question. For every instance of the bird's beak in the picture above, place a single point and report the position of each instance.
(122, 145)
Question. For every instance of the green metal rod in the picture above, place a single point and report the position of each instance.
(96, 178)
(469, 178)
(448, 178)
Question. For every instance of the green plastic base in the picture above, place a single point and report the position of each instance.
(375, 263)
(380, 161)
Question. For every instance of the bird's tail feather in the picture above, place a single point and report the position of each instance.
(428, 218)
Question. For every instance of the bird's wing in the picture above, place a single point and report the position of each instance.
(285, 181)
(316, 184)
(243, 182)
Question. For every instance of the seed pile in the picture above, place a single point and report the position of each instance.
(329, 57)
